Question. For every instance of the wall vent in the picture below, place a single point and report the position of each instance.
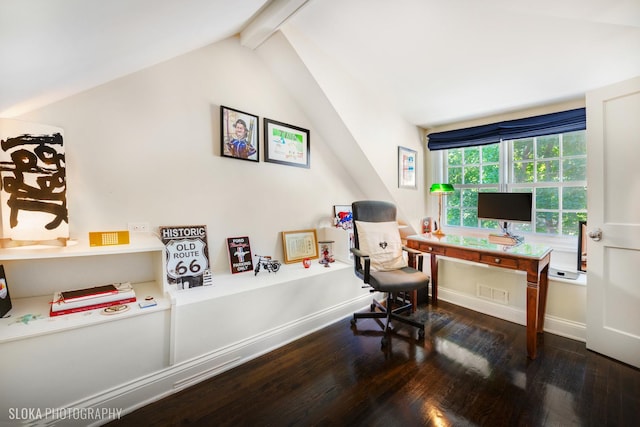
(492, 294)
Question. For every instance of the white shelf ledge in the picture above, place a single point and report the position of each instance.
(12, 328)
(139, 242)
(228, 284)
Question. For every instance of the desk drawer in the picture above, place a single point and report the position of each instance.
(462, 254)
(438, 250)
(499, 261)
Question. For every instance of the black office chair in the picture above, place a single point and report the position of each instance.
(379, 262)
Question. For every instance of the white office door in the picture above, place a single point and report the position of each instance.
(613, 251)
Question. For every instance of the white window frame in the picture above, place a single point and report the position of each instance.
(560, 242)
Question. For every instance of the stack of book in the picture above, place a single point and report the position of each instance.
(78, 300)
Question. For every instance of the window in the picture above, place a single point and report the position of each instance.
(552, 167)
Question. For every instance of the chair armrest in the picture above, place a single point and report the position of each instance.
(415, 255)
(357, 252)
(367, 263)
(412, 251)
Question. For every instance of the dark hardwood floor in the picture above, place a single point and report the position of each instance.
(470, 370)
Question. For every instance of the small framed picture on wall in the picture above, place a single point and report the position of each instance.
(239, 134)
(407, 168)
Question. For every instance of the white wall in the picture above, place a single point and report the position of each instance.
(369, 134)
(146, 147)
(360, 125)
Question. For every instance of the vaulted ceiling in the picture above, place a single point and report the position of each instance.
(433, 61)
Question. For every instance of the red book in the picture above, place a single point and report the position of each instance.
(91, 307)
(81, 294)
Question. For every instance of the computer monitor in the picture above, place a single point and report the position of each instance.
(506, 208)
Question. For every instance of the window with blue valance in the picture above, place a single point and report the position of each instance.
(546, 124)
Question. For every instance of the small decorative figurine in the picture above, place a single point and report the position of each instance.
(325, 252)
(427, 225)
(267, 263)
(344, 220)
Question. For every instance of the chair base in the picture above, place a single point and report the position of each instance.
(393, 314)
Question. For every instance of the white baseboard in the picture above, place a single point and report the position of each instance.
(554, 325)
(142, 391)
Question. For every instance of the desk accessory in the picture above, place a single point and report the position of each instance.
(147, 302)
(5, 298)
(440, 189)
(500, 239)
(116, 309)
(108, 238)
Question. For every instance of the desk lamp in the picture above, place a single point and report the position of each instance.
(440, 189)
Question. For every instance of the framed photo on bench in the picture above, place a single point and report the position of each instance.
(298, 245)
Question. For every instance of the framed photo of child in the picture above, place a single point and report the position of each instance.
(239, 134)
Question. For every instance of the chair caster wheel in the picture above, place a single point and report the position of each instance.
(420, 333)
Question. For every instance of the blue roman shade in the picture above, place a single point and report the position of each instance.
(546, 124)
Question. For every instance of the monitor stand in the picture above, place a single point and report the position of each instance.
(506, 238)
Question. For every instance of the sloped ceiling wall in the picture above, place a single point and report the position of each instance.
(359, 128)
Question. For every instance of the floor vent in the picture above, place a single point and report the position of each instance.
(492, 294)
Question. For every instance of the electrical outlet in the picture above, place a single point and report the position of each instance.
(142, 227)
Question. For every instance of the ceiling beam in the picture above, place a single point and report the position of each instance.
(268, 21)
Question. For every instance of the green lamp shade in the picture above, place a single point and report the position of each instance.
(441, 188)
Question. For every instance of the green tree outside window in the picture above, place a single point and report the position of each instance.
(552, 167)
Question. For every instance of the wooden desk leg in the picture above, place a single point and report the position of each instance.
(542, 302)
(434, 278)
(537, 285)
(533, 307)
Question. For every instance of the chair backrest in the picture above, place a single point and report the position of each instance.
(371, 211)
